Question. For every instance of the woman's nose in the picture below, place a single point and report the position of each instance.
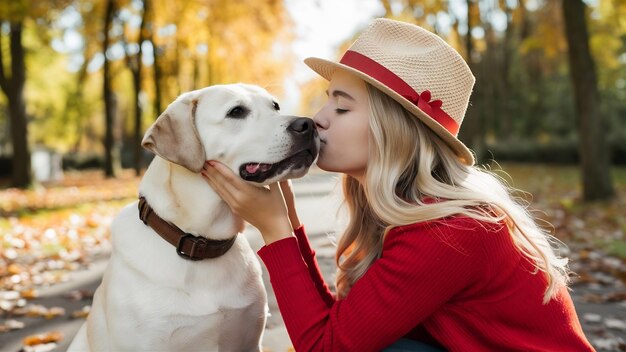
(320, 121)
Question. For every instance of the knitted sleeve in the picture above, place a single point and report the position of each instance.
(308, 254)
(422, 266)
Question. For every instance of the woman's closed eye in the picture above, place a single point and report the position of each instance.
(341, 111)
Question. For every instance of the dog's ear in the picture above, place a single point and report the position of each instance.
(174, 137)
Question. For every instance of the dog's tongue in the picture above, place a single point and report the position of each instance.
(254, 168)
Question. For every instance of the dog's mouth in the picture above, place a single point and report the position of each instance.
(259, 172)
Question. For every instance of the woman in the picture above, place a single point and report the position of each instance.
(436, 253)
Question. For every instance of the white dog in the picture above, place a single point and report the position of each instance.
(158, 296)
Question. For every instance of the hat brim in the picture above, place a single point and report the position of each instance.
(326, 68)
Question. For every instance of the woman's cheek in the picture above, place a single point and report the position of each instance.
(324, 160)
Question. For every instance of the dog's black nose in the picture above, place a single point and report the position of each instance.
(301, 125)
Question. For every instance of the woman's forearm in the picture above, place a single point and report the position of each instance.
(276, 229)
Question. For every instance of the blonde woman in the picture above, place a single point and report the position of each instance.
(436, 254)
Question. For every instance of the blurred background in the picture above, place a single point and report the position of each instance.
(81, 80)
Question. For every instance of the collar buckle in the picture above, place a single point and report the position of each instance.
(197, 244)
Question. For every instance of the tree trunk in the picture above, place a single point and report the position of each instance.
(13, 88)
(469, 47)
(470, 133)
(109, 103)
(593, 147)
(156, 69)
(506, 118)
(136, 67)
(490, 120)
(524, 81)
(158, 106)
(74, 103)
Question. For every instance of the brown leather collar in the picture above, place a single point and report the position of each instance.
(187, 245)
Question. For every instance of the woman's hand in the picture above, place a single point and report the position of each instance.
(290, 202)
(263, 208)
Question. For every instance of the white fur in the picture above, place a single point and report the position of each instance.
(150, 299)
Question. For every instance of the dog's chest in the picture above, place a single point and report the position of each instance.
(147, 263)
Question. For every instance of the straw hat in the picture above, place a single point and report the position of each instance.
(417, 69)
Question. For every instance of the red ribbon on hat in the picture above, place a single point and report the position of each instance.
(379, 72)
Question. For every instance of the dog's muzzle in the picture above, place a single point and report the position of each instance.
(303, 152)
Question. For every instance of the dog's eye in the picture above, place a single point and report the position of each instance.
(237, 112)
(276, 106)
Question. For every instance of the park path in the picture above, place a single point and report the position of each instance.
(317, 193)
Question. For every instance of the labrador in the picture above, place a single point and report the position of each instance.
(159, 293)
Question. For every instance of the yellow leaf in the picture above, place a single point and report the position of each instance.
(32, 340)
(29, 293)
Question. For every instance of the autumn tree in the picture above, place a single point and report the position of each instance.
(151, 27)
(202, 43)
(12, 84)
(425, 14)
(108, 94)
(594, 151)
(14, 16)
(134, 61)
(473, 131)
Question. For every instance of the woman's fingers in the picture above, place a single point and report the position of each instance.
(274, 187)
(224, 172)
(287, 191)
(219, 182)
(236, 192)
(286, 184)
(276, 192)
(262, 207)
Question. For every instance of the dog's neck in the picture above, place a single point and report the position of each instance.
(185, 199)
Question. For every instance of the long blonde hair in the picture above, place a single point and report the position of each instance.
(408, 162)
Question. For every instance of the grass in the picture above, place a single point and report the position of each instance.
(557, 193)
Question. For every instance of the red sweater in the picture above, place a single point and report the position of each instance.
(451, 280)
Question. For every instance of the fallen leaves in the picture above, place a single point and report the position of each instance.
(608, 344)
(49, 240)
(81, 314)
(45, 234)
(615, 324)
(594, 235)
(11, 325)
(42, 249)
(42, 342)
(37, 310)
(75, 189)
(14, 306)
(77, 295)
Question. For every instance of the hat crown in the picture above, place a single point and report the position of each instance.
(421, 59)
(417, 69)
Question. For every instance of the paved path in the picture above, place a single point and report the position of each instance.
(317, 206)
(320, 220)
